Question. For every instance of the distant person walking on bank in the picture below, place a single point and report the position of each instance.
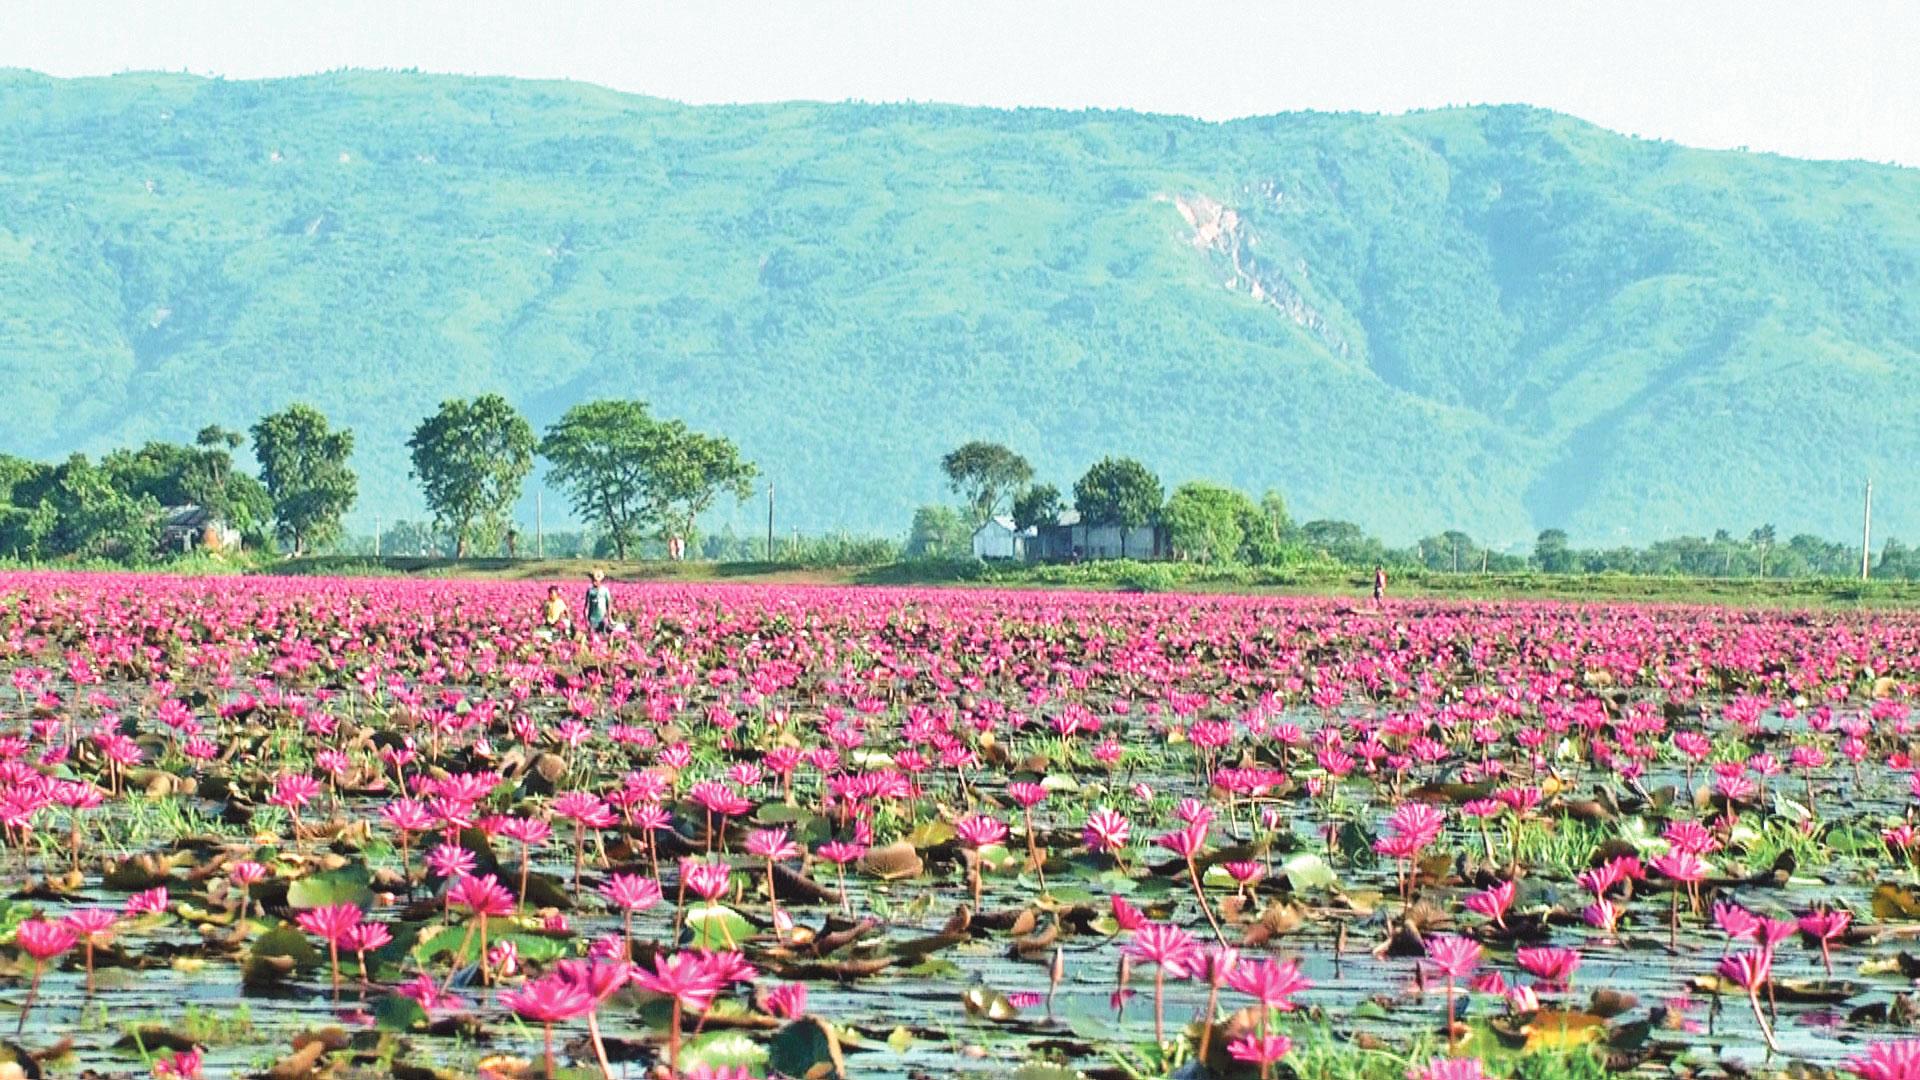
(599, 606)
(1379, 583)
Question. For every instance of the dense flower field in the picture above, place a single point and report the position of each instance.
(395, 828)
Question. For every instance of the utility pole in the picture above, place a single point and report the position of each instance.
(376, 536)
(769, 521)
(539, 525)
(1866, 535)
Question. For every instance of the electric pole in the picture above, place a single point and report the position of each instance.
(1866, 535)
(769, 521)
(376, 536)
(539, 525)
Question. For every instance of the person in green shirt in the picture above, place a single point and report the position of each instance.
(599, 606)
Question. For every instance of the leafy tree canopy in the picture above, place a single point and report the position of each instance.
(628, 473)
(1208, 522)
(303, 463)
(1037, 505)
(986, 475)
(1118, 491)
(470, 458)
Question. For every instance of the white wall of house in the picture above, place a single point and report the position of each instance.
(998, 540)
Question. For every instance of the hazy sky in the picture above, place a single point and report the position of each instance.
(1813, 78)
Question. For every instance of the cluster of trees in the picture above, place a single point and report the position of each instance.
(627, 474)
(112, 508)
(1212, 523)
(1206, 522)
(632, 477)
(1758, 554)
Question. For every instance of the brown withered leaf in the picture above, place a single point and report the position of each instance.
(892, 862)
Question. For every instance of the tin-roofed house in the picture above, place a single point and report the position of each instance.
(999, 540)
(1070, 539)
(190, 528)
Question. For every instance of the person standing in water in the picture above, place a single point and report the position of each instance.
(1379, 583)
(599, 606)
(553, 614)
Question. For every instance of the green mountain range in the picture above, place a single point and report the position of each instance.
(1492, 319)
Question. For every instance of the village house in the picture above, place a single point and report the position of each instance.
(997, 540)
(1069, 539)
(192, 528)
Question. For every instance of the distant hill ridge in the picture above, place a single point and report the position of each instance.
(1492, 319)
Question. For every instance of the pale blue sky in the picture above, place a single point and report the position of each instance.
(1812, 78)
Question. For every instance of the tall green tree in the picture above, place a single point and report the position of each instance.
(689, 470)
(303, 463)
(95, 517)
(1036, 506)
(602, 453)
(215, 484)
(1452, 550)
(986, 475)
(471, 458)
(1551, 551)
(1274, 516)
(938, 531)
(1119, 492)
(627, 472)
(1207, 522)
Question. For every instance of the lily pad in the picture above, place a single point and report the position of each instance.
(395, 1012)
(807, 1048)
(715, 927)
(347, 885)
(722, 1049)
(1308, 871)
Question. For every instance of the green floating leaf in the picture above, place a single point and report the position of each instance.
(347, 885)
(1853, 840)
(1794, 812)
(1356, 844)
(278, 954)
(807, 1048)
(780, 814)
(1308, 871)
(457, 943)
(286, 941)
(715, 927)
(932, 834)
(395, 1012)
(933, 967)
(718, 1050)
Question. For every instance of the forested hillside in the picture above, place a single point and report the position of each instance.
(1495, 319)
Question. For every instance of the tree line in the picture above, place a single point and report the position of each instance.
(630, 476)
(627, 474)
(1212, 523)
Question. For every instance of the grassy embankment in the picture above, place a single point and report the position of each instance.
(1148, 577)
